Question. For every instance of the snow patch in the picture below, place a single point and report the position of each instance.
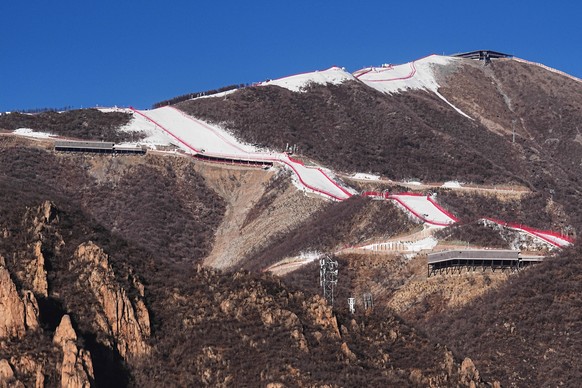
(32, 133)
(452, 106)
(413, 75)
(199, 137)
(452, 185)
(423, 208)
(220, 94)
(424, 244)
(154, 136)
(368, 177)
(113, 109)
(299, 82)
(310, 255)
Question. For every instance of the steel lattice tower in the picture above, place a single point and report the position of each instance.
(328, 277)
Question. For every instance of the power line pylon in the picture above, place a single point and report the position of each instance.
(328, 277)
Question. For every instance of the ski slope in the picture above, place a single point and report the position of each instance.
(419, 74)
(424, 208)
(200, 138)
(547, 236)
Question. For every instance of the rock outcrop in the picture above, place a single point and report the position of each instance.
(29, 366)
(45, 214)
(38, 271)
(77, 367)
(7, 378)
(124, 319)
(322, 314)
(468, 374)
(16, 314)
(64, 332)
(40, 224)
(290, 321)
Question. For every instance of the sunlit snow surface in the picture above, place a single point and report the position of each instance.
(201, 138)
(413, 75)
(32, 133)
(424, 208)
(367, 177)
(418, 74)
(299, 82)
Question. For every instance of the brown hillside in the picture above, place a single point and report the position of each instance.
(89, 124)
(102, 258)
(181, 325)
(527, 332)
(353, 128)
(158, 203)
(544, 109)
(332, 227)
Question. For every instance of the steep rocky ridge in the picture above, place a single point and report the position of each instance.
(280, 336)
(126, 321)
(208, 329)
(109, 310)
(18, 313)
(77, 367)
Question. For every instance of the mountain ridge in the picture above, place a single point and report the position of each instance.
(149, 232)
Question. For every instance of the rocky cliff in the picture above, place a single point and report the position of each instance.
(76, 367)
(37, 298)
(18, 310)
(126, 321)
(211, 329)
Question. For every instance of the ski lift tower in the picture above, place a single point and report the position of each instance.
(328, 277)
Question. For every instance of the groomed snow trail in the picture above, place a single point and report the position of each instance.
(548, 236)
(200, 138)
(205, 140)
(417, 74)
(424, 208)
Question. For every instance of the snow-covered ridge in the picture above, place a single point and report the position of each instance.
(297, 83)
(417, 74)
(198, 137)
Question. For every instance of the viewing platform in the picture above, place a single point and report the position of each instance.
(454, 261)
(482, 55)
(98, 147)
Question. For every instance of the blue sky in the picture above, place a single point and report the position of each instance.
(87, 53)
